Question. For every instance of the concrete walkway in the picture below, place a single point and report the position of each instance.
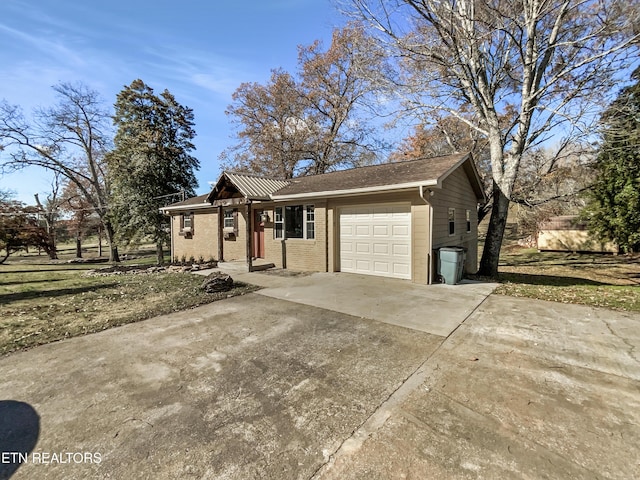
(434, 309)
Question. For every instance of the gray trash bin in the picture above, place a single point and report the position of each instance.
(451, 264)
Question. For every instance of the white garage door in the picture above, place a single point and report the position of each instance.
(376, 240)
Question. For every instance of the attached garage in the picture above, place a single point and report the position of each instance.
(376, 240)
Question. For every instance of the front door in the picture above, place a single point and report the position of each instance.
(258, 234)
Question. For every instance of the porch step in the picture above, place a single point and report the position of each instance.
(242, 267)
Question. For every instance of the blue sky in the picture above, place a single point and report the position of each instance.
(201, 51)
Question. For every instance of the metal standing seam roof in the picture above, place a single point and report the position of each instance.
(255, 188)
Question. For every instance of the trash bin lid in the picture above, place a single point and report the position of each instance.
(452, 249)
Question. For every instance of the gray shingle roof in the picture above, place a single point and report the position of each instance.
(388, 174)
(199, 201)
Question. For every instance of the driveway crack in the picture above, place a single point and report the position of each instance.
(387, 407)
(631, 348)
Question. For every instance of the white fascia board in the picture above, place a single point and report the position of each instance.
(187, 208)
(359, 191)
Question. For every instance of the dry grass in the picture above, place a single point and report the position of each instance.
(600, 280)
(41, 302)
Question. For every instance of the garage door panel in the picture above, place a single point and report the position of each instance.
(363, 230)
(400, 230)
(381, 268)
(363, 265)
(402, 269)
(376, 240)
(381, 230)
(381, 249)
(363, 248)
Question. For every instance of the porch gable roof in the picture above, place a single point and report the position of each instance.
(251, 187)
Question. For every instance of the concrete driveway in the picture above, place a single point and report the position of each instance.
(260, 387)
(435, 309)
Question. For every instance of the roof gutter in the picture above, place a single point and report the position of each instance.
(359, 191)
(186, 208)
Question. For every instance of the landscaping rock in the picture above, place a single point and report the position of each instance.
(217, 282)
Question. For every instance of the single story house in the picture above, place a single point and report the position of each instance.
(567, 233)
(387, 220)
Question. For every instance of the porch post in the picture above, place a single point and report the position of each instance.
(220, 234)
(249, 236)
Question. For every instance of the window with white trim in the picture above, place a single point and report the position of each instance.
(278, 223)
(452, 221)
(468, 221)
(229, 220)
(294, 221)
(310, 224)
(187, 221)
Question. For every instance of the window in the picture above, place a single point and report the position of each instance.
(310, 226)
(468, 221)
(229, 220)
(187, 221)
(278, 223)
(294, 227)
(295, 221)
(452, 221)
(186, 224)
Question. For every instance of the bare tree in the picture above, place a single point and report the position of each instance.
(272, 131)
(50, 212)
(314, 122)
(71, 139)
(446, 135)
(544, 64)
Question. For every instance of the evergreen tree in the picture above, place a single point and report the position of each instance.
(614, 211)
(151, 161)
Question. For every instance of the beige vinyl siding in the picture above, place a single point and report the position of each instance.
(204, 240)
(456, 193)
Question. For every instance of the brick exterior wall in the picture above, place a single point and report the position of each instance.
(301, 254)
(235, 247)
(202, 243)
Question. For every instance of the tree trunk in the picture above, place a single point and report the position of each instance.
(159, 253)
(78, 247)
(113, 248)
(495, 234)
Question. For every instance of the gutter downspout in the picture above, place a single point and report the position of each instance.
(171, 230)
(430, 238)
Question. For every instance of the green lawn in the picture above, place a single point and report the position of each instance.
(41, 301)
(600, 280)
